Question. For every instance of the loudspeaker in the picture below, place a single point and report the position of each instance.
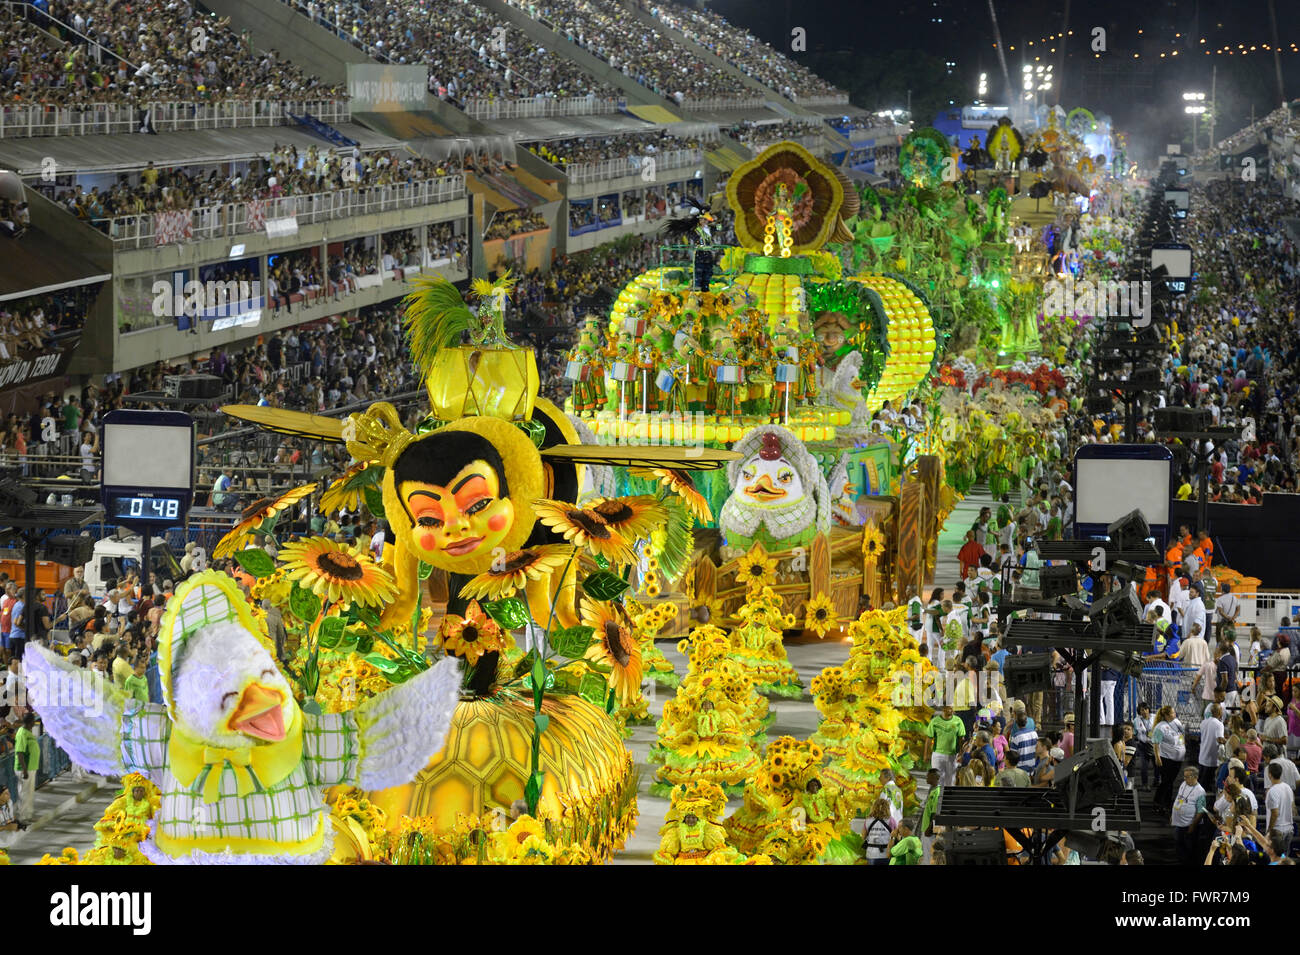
(70, 550)
(1058, 581)
(16, 499)
(197, 387)
(1098, 404)
(974, 847)
(1027, 673)
(1087, 779)
(1129, 531)
(1129, 664)
(1116, 612)
(1145, 377)
(1181, 419)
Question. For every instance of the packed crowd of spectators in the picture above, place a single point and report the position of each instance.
(758, 136)
(741, 49)
(130, 53)
(1236, 346)
(472, 53)
(657, 62)
(285, 172)
(631, 146)
(515, 222)
(31, 325)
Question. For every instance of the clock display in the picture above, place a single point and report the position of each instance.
(147, 508)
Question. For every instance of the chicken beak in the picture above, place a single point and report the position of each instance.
(259, 713)
(764, 489)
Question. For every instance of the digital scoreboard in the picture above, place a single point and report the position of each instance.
(148, 481)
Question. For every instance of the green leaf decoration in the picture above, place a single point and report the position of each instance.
(540, 722)
(571, 642)
(609, 703)
(311, 676)
(535, 430)
(594, 689)
(383, 664)
(533, 791)
(367, 615)
(525, 665)
(538, 676)
(679, 542)
(436, 316)
(602, 585)
(365, 641)
(329, 635)
(312, 708)
(255, 562)
(374, 499)
(510, 612)
(425, 570)
(304, 604)
(602, 562)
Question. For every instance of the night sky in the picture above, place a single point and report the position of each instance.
(1142, 92)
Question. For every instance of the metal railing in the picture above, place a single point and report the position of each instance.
(825, 99)
(813, 142)
(631, 165)
(698, 103)
(106, 118)
(233, 218)
(538, 106)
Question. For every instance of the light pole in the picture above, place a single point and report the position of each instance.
(1195, 106)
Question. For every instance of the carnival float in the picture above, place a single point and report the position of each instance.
(729, 470)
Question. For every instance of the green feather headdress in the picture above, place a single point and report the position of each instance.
(436, 316)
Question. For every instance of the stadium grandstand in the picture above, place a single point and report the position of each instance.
(244, 191)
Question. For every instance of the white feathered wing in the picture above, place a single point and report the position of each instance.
(81, 711)
(401, 729)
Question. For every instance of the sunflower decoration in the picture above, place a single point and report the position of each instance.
(584, 527)
(635, 518)
(614, 645)
(873, 543)
(680, 483)
(472, 635)
(347, 493)
(756, 569)
(337, 572)
(816, 215)
(819, 615)
(515, 570)
(242, 534)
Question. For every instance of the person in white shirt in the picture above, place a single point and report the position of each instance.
(1212, 737)
(1195, 652)
(1195, 613)
(1227, 608)
(1279, 808)
(1290, 774)
(1161, 608)
(1189, 803)
(1178, 602)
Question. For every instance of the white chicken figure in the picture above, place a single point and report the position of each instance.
(778, 496)
(241, 767)
(844, 496)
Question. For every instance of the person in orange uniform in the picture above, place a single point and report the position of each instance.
(1173, 560)
(1151, 584)
(1205, 550)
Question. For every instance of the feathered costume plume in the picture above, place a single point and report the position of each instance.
(436, 316)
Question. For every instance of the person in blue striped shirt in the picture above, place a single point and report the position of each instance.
(1024, 738)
